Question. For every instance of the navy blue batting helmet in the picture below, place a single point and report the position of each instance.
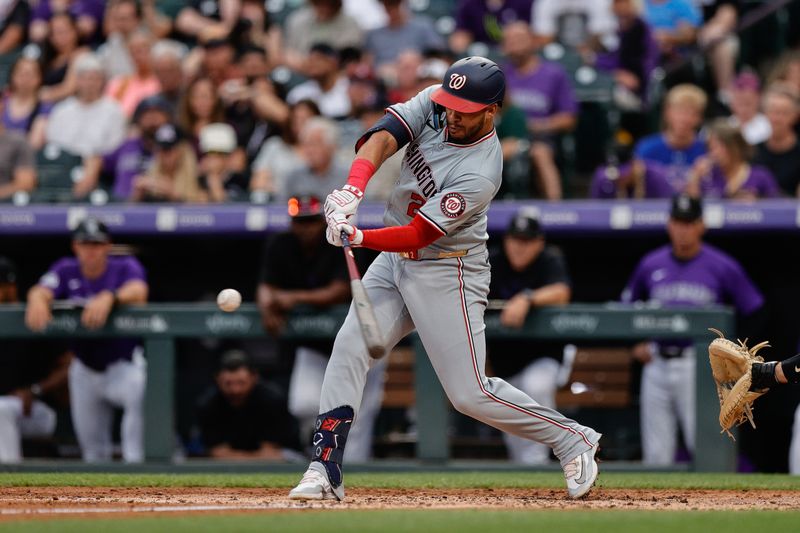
(471, 84)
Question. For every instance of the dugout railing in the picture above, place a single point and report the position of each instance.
(159, 325)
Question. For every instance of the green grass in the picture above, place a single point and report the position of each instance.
(454, 480)
(423, 520)
(461, 521)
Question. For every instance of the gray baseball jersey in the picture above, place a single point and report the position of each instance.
(443, 299)
(449, 184)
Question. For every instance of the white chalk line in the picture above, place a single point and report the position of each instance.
(149, 509)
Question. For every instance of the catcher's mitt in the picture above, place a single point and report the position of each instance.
(731, 364)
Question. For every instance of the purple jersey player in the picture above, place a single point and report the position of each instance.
(543, 90)
(104, 373)
(686, 272)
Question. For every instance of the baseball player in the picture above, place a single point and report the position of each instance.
(31, 376)
(686, 272)
(773, 373)
(104, 373)
(433, 274)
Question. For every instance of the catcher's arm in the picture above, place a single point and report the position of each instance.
(732, 367)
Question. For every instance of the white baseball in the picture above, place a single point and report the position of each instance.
(229, 300)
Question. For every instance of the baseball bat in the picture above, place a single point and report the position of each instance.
(364, 310)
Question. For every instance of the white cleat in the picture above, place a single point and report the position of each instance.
(315, 486)
(581, 473)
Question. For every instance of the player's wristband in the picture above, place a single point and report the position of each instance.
(360, 172)
(355, 190)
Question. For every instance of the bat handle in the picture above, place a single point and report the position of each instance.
(345, 239)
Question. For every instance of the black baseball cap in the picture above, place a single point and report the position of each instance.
(8, 271)
(91, 229)
(234, 360)
(155, 102)
(524, 226)
(304, 207)
(324, 49)
(686, 208)
(168, 136)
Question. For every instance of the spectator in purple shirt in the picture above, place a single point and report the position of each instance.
(635, 57)
(88, 15)
(685, 273)
(104, 373)
(543, 90)
(726, 171)
(23, 111)
(633, 180)
(135, 155)
(17, 164)
(483, 21)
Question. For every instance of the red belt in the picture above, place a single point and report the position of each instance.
(414, 255)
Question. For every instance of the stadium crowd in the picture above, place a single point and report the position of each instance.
(210, 101)
(213, 101)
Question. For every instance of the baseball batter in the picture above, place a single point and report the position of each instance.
(433, 274)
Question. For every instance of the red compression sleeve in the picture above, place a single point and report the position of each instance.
(360, 172)
(418, 234)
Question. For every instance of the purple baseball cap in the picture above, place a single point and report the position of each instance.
(747, 81)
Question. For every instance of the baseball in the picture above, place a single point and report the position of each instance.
(229, 300)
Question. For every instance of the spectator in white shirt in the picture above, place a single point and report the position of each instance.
(573, 23)
(327, 86)
(88, 123)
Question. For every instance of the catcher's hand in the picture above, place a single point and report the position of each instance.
(731, 365)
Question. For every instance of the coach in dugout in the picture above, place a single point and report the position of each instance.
(684, 273)
(104, 374)
(242, 417)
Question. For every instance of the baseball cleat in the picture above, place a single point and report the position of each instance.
(581, 473)
(315, 486)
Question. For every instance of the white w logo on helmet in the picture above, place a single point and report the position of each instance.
(457, 81)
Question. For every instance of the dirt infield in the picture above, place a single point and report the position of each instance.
(29, 502)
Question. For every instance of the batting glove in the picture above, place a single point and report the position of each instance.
(337, 225)
(343, 201)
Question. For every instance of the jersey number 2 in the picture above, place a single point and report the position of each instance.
(415, 204)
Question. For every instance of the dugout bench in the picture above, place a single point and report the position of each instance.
(160, 324)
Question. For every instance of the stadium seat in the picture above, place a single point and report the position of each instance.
(171, 8)
(279, 10)
(433, 8)
(57, 170)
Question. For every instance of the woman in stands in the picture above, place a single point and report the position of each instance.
(173, 175)
(726, 171)
(199, 107)
(60, 50)
(23, 111)
(131, 89)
